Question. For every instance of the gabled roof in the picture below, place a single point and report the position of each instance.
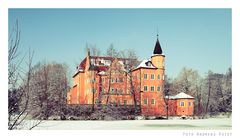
(146, 64)
(82, 65)
(181, 95)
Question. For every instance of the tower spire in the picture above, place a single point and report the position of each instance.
(157, 49)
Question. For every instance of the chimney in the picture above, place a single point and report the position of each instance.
(88, 52)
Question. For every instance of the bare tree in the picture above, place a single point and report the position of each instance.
(227, 90)
(50, 85)
(218, 93)
(111, 52)
(18, 94)
(93, 49)
(186, 81)
(166, 93)
(190, 82)
(131, 64)
(209, 91)
(199, 98)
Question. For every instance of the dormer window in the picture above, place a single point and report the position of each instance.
(148, 64)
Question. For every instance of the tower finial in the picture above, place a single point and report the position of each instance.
(157, 49)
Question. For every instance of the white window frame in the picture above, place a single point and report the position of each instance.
(146, 77)
(159, 88)
(153, 101)
(144, 88)
(151, 88)
(159, 77)
(182, 104)
(146, 101)
(151, 76)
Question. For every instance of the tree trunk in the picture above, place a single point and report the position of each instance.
(109, 85)
(209, 92)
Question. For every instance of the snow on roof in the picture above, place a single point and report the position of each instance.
(181, 95)
(146, 64)
(102, 73)
(158, 54)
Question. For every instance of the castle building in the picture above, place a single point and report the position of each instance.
(105, 80)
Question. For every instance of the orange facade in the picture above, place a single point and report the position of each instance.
(181, 107)
(106, 80)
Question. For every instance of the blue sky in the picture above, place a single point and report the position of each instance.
(194, 38)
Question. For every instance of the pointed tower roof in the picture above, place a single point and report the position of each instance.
(157, 49)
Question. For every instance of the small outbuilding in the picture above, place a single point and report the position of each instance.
(181, 104)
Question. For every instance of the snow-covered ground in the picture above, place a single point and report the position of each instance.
(201, 124)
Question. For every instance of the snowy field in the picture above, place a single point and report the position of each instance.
(201, 124)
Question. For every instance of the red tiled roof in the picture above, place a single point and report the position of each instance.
(108, 58)
(102, 68)
(98, 68)
(82, 65)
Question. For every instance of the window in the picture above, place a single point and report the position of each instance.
(102, 79)
(116, 90)
(181, 103)
(112, 90)
(158, 77)
(112, 80)
(116, 80)
(125, 102)
(145, 101)
(120, 91)
(148, 64)
(158, 88)
(189, 104)
(120, 79)
(102, 91)
(127, 92)
(152, 76)
(145, 76)
(152, 88)
(145, 88)
(153, 101)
